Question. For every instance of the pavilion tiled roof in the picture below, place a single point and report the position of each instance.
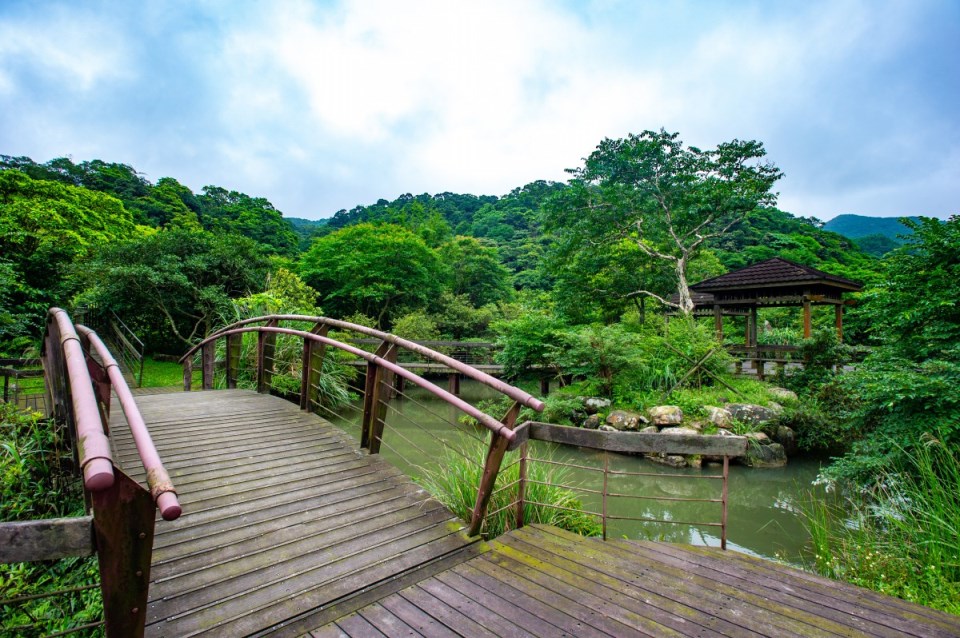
(775, 271)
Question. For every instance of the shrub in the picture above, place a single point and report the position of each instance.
(457, 478)
(37, 482)
(901, 538)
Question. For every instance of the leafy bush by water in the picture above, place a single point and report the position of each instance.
(455, 481)
(903, 537)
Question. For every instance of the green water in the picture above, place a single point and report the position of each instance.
(763, 517)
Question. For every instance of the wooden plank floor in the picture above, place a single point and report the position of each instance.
(283, 516)
(540, 581)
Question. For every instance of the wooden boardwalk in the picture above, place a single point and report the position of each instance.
(288, 530)
(282, 514)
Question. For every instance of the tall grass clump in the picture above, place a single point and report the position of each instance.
(455, 481)
(36, 468)
(901, 538)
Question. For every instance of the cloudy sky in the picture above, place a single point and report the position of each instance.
(323, 105)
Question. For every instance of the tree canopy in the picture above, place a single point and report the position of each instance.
(667, 198)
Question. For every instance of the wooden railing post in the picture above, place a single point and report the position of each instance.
(312, 367)
(266, 346)
(376, 394)
(123, 518)
(498, 447)
(187, 374)
(234, 349)
(208, 359)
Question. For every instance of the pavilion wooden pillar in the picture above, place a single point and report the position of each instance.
(807, 329)
(718, 321)
(838, 309)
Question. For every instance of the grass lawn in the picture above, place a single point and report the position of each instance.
(162, 374)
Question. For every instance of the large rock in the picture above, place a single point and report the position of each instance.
(665, 415)
(764, 456)
(626, 421)
(670, 460)
(650, 429)
(782, 394)
(595, 404)
(750, 414)
(607, 428)
(786, 437)
(720, 417)
(592, 422)
(759, 437)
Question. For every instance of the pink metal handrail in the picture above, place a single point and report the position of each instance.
(488, 421)
(93, 447)
(514, 393)
(161, 487)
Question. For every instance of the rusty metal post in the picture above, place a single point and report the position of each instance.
(453, 383)
(123, 518)
(498, 447)
(606, 473)
(208, 358)
(234, 349)
(312, 368)
(723, 503)
(522, 486)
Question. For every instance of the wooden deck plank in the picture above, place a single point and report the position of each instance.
(357, 625)
(444, 613)
(417, 619)
(716, 596)
(345, 585)
(572, 594)
(386, 623)
(855, 608)
(632, 590)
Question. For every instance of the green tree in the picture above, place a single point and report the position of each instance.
(45, 227)
(378, 270)
(475, 270)
(175, 281)
(667, 198)
(906, 388)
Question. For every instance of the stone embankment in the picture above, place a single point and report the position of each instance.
(772, 442)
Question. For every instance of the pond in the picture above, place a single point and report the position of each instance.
(763, 513)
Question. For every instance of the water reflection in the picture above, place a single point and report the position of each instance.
(763, 517)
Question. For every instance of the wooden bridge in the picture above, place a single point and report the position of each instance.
(288, 529)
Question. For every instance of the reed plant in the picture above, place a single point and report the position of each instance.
(900, 538)
(455, 481)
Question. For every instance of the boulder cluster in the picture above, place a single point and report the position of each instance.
(770, 445)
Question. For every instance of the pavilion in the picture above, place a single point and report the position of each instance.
(775, 282)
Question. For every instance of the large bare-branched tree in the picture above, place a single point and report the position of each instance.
(666, 197)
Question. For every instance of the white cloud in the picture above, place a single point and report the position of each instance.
(76, 50)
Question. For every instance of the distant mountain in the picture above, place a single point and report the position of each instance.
(874, 235)
(857, 226)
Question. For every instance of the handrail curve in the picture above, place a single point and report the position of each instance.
(485, 419)
(513, 392)
(161, 487)
(93, 447)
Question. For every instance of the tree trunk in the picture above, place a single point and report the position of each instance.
(686, 302)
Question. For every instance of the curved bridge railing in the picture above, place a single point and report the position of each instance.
(80, 376)
(380, 382)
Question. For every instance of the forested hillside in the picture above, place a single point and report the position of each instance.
(874, 235)
(171, 260)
